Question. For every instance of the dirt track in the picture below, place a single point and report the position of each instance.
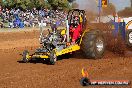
(65, 73)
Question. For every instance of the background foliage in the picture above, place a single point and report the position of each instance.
(24, 4)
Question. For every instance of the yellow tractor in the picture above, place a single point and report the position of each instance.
(73, 38)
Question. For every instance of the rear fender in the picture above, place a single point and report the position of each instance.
(83, 35)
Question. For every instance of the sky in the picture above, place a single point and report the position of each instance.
(92, 5)
(121, 4)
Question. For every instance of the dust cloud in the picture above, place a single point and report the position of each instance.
(89, 5)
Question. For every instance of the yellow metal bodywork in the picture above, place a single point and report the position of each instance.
(69, 49)
(83, 35)
(63, 32)
(42, 56)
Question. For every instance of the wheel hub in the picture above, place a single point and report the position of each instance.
(99, 45)
(130, 37)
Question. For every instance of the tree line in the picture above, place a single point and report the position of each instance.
(24, 4)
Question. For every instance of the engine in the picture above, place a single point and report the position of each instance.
(51, 40)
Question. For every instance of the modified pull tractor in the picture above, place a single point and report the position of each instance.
(73, 38)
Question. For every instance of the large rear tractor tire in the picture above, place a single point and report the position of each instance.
(25, 56)
(129, 37)
(52, 58)
(93, 44)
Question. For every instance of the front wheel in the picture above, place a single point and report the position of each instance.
(25, 56)
(53, 58)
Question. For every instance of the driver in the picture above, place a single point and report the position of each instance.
(75, 29)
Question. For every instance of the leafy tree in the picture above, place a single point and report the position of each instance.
(51, 4)
(71, 1)
(55, 4)
(127, 12)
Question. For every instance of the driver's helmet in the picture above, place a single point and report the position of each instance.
(76, 21)
(76, 17)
